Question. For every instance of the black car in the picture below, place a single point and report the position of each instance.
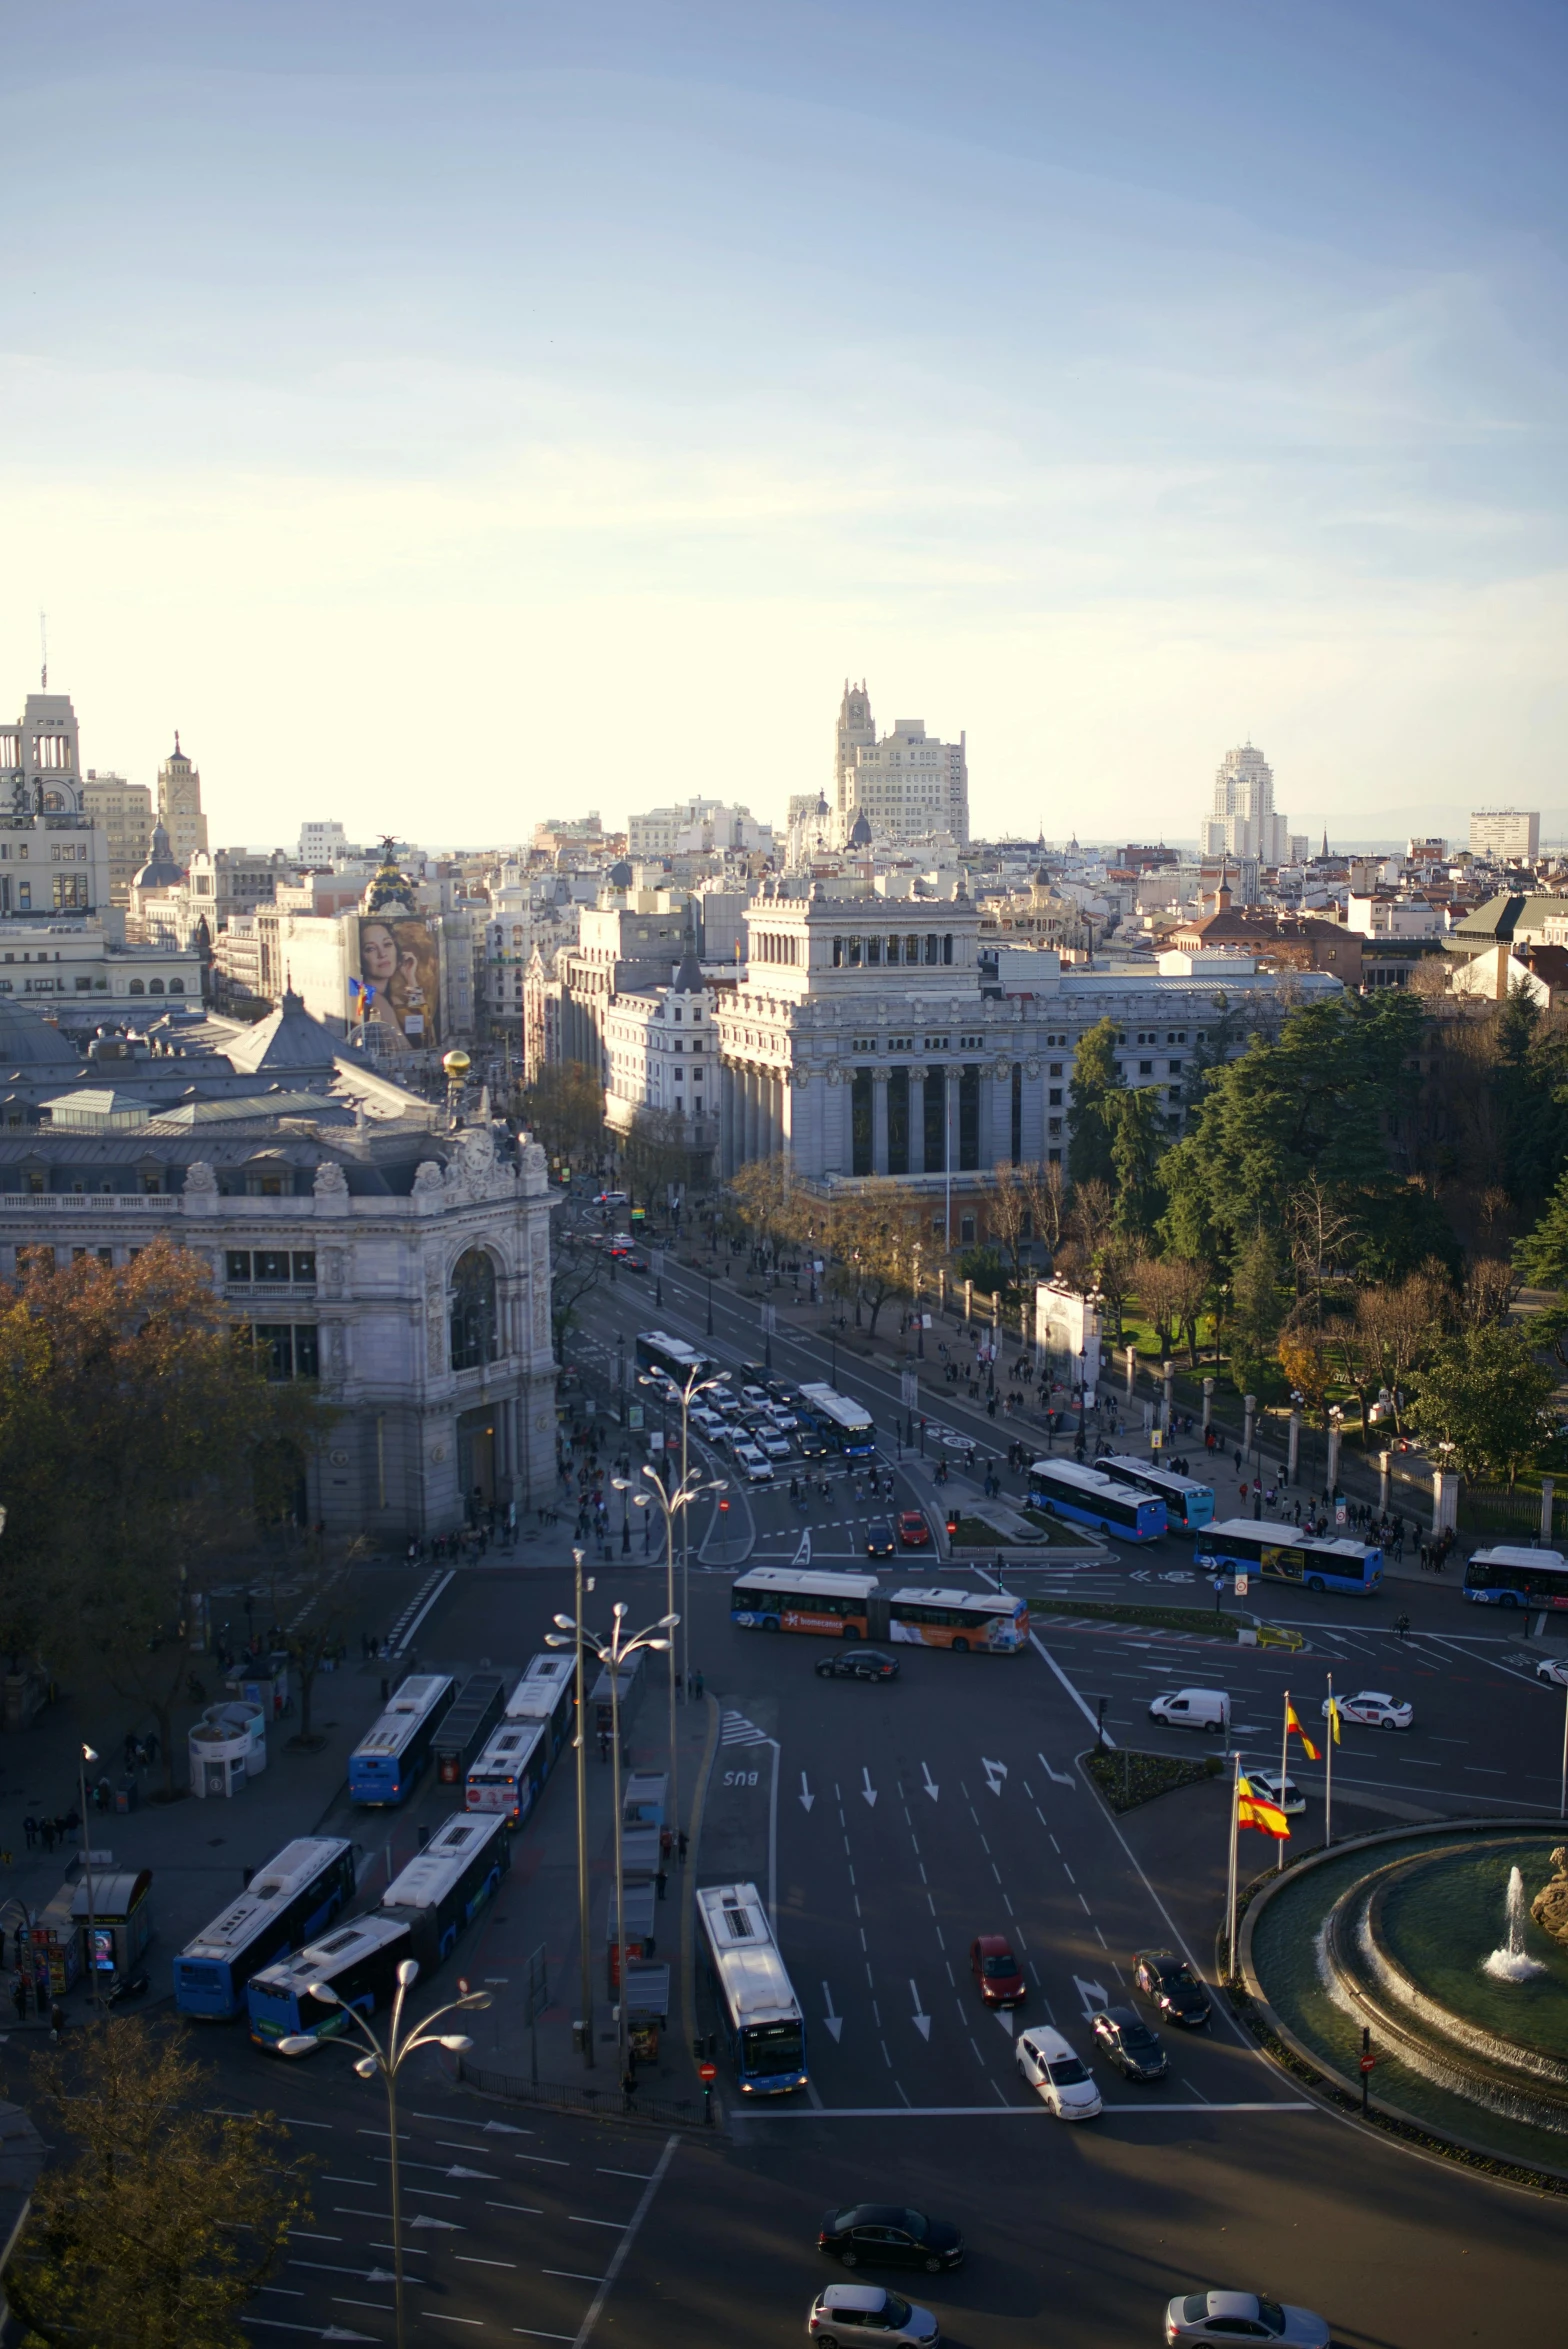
(881, 1542)
(858, 1664)
(812, 1446)
(884, 2233)
(1136, 2051)
(1173, 1987)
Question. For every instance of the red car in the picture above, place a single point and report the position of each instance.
(997, 1973)
(913, 1531)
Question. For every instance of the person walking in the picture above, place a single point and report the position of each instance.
(1402, 1624)
(19, 1994)
(680, 1847)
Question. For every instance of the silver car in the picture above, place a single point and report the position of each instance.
(1227, 2317)
(846, 2313)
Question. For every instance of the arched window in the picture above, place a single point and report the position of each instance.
(137, 988)
(176, 986)
(155, 986)
(472, 1312)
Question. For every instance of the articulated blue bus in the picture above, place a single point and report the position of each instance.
(359, 1961)
(297, 1894)
(444, 1889)
(387, 1762)
(1063, 1489)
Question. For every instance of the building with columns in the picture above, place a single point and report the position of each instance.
(876, 1037)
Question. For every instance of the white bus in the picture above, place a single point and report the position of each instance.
(507, 1776)
(444, 1889)
(657, 1350)
(847, 1426)
(763, 2023)
(546, 1693)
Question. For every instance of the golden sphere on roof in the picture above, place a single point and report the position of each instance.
(456, 1064)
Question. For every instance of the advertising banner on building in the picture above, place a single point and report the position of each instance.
(397, 987)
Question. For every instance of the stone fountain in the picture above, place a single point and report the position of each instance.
(1511, 1961)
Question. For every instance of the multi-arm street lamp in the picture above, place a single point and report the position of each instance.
(388, 2057)
(687, 1396)
(616, 1651)
(673, 1505)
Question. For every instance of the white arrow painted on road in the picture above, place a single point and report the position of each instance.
(835, 2023)
(1091, 1996)
(922, 2022)
(995, 1772)
(381, 2275)
(925, 1772)
(802, 1555)
(505, 2129)
(807, 1798)
(1139, 1574)
(1006, 2020)
(340, 2333)
(446, 2225)
(457, 2171)
(1057, 1777)
(868, 1790)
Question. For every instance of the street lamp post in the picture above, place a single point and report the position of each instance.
(388, 2058)
(672, 1505)
(616, 1651)
(710, 1299)
(581, 1693)
(85, 1755)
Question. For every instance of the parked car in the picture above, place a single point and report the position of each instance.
(886, 2234)
(847, 2313)
(858, 1664)
(1049, 2064)
(1122, 2035)
(1373, 1709)
(1228, 2317)
(914, 1532)
(999, 1977)
(1192, 1708)
(1172, 1986)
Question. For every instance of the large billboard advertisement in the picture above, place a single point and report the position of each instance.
(398, 984)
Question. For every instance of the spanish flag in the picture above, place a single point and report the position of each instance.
(1292, 1721)
(1333, 1720)
(1253, 1811)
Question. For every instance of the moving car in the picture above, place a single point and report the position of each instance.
(886, 2234)
(1265, 1779)
(771, 1444)
(1121, 2034)
(812, 1445)
(756, 1396)
(1373, 1709)
(1192, 1708)
(609, 1198)
(998, 1975)
(1049, 2064)
(709, 1421)
(751, 1463)
(1242, 2316)
(879, 1538)
(846, 2313)
(1172, 1987)
(858, 1664)
(782, 1417)
(1554, 1669)
(913, 1531)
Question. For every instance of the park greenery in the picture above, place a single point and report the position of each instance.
(139, 1435)
(1343, 1216)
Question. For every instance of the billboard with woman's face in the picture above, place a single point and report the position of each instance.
(399, 982)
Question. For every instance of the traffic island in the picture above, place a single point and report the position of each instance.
(1127, 1779)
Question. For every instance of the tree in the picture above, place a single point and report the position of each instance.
(1319, 1230)
(564, 1109)
(136, 1424)
(575, 1272)
(1138, 1141)
(1484, 1393)
(1394, 1328)
(1541, 1258)
(872, 1236)
(317, 1633)
(1300, 1357)
(1091, 1215)
(1096, 1078)
(1156, 1285)
(657, 1152)
(763, 1203)
(167, 2219)
(1257, 1310)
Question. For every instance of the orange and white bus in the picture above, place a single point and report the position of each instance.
(850, 1606)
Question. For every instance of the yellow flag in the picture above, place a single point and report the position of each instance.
(1333, 1720)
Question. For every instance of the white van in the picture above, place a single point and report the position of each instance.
(1192, 1708)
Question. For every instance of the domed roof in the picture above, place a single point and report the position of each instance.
(619, 875)
(860, 835)
(161, 870)
(26, 1041)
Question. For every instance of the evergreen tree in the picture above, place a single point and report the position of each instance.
(1097, 1080)
(1138, 1142)
(1541, 1258)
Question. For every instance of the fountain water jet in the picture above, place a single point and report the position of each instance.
(1509, 1962)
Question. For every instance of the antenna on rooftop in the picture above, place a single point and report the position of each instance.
(43, 649)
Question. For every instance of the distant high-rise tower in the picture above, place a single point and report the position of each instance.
(1242, 821)
(907, 785)
(179, 805)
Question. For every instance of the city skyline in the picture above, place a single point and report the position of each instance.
(547, 387)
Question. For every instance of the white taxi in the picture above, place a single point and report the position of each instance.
(1049, 2064)
(1374, 1709)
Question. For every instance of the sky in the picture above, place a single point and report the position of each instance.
(452, 417)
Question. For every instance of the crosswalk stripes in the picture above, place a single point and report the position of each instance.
(735, 1729)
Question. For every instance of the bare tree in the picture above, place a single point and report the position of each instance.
(1489, 1292)
(1318, 1229)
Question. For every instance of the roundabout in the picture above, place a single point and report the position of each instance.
(1425, 1940)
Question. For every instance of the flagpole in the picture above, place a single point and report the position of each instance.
(1235, 1807)
(1284, 1765)
(1328, 1772)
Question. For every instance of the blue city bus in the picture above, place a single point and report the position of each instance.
(845, 1426)
(1283, 1553)
(445, 1888)
(297, 1894)
(1510, 1577)
(1189, 1506)
(763, 2024)
(505, 1779)
(359, 1961)
(385, 1765)
(1063, 1489)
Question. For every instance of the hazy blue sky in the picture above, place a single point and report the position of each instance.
(447, 415)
